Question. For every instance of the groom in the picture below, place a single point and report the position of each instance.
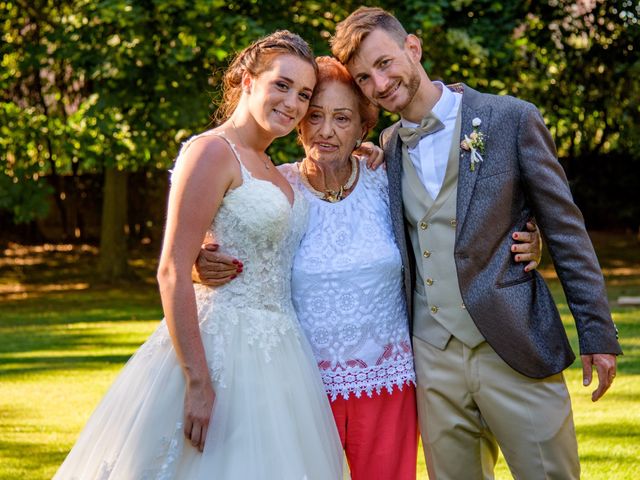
(466, 170)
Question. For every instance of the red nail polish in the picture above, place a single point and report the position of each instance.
(233, 276)
(515, 235)
(235, 262)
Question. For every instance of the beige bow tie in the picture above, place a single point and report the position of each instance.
(410, 136)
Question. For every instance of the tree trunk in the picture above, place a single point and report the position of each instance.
(112, 263)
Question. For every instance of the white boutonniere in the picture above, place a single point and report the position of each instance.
(474, 142)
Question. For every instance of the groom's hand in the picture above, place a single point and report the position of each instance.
(213, 268)
(605, 364)
(530, 248)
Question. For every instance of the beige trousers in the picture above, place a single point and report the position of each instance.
(470, 402)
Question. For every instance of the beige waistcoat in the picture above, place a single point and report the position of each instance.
(438, 309)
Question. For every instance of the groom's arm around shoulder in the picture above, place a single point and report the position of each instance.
(562, 224)
(387, 134)
(388, 141)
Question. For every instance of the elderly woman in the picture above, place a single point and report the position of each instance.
(347, 283)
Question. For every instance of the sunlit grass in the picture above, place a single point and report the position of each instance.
(61, 348)
(48, 393)
(54, 368)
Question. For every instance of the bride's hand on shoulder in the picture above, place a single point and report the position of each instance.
(198, 408)
(371, 153)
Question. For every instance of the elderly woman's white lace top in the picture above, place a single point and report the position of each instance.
(347, 289)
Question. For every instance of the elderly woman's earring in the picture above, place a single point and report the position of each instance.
(358, 143)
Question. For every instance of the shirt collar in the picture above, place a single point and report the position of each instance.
(445, 104)
(442, 108)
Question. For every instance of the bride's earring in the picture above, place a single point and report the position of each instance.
(245, 82)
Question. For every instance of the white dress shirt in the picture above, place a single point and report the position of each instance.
(431, 154)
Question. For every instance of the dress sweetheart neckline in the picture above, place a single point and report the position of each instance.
(291, 202)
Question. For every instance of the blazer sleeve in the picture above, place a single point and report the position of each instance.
(562, 225)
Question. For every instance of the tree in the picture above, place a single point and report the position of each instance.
(113, 87)
(40, 109)
(580, 62)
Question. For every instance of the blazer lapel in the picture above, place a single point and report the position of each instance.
(467, 178)
(392, 148)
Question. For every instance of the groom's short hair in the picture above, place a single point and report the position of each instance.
(351, 32)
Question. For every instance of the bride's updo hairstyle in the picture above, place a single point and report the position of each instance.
(255, 59)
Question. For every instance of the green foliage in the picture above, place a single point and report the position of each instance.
(21, 190)
(116, 83)
(582, 66)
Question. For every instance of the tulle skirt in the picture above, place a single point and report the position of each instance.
(271, 418)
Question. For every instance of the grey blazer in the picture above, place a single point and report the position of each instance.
(519, 178)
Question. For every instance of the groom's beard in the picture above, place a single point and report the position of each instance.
(411, 84)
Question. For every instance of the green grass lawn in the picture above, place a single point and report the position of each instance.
(63, 339)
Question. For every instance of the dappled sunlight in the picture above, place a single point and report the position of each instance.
(33, 272)
(65, 338)
(621, 271)
(21, 291)
(74, 341)
(617, 254)
(609, 272)
(29, 271)
(17, 254)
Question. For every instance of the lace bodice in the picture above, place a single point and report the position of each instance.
(257, 224)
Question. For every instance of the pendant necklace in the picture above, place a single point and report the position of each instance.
(329, 195)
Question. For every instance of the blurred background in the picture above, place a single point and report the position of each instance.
(96, 97)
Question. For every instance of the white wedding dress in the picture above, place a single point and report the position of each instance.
(271, 418)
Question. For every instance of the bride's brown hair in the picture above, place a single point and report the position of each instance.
(254, 60)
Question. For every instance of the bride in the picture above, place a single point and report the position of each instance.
(227, 386)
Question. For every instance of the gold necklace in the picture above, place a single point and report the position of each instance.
(328, 195)
(235, 131)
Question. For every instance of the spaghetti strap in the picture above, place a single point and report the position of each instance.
(245, 173)
(187, 143)
(232, 145)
